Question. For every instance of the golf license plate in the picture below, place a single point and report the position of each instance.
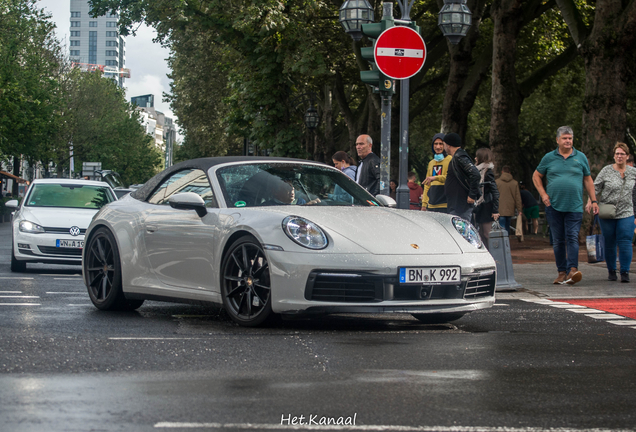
(76, 244)
(430, 275)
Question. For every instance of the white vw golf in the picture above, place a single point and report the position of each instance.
(50, 223)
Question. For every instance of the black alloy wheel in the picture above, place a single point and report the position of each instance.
(246, 287)
(102, 267)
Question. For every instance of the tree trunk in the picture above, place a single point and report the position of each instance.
(506, 99)
(460, 91)
(16, 172)
(606, 75)
(607, 51)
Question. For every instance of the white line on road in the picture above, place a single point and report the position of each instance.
(261, 426)
(73, 279)
(10, 292)
(606, 316)
(586, 310)
(19, 304)
(65, 292)
(17, 296)
(43, 274)
(624, 322)
(154, 338)
(16, 278)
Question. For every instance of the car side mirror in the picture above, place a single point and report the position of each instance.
(14, 204)
(188, 201)
(386, 201)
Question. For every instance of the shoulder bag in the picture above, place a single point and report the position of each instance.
(607, 210)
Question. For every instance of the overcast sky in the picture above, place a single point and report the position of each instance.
(145, 59)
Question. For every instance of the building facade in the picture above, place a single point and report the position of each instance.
(96, 41)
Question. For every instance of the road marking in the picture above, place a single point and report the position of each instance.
(606, 316)
(65, 292)
(154, 338)
(44, 274)
(585, 310)
(17, 278)
(17, 296)
(567, 306)
(73, 279)
(623, 322)
(19, 304)
(261, 426)
(10, 292)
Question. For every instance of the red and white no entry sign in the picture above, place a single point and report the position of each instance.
(399, 52)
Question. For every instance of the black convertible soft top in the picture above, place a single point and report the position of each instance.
(204, 164)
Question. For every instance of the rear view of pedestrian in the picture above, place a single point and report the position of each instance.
(415, 191)
(487, 206)
(509, 198)
(530, 209)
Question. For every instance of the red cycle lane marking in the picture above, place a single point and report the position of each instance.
(620, 306)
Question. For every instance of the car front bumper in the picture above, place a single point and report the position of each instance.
(42, 248)
(310, 283)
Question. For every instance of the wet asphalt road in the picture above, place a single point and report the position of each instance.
(65, 366)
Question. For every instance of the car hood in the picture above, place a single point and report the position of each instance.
(380, 230)
(58, 217)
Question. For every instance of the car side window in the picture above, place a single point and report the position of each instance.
(191, 180)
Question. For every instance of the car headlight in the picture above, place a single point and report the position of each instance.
(304, 232)
(468, 231)
(30, 227)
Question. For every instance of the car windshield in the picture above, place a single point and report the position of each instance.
(266, 184)
(68, 196)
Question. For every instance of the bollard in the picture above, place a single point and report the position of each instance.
(499, 247)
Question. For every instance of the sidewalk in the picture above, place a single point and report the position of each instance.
(534, 267)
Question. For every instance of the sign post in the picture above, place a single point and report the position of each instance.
(400, 53)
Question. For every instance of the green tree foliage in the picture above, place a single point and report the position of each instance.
(244, 69)
(29, 97)
(101, 126)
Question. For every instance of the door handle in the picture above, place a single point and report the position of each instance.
(151, 228)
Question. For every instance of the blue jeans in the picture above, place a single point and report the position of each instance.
(565, 227)
(504, 221)
(618, 232)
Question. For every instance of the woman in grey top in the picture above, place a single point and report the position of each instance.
(615, 185)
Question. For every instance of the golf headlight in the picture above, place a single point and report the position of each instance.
(468, 231)
(304, 232)
(30, 227)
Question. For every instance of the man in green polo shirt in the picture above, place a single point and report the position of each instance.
(566, 171)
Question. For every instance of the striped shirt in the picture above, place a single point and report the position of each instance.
(565, 179)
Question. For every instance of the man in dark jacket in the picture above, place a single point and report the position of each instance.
(368, 175)
(462, 182)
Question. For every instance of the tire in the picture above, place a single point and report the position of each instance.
(245, 283)
(16, 266)
(102, 267)
(438, 318)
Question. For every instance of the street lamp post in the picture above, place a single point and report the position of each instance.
(454, 21)
(353, 15)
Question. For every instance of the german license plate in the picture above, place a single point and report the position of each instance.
(430, 275)
(76, 244)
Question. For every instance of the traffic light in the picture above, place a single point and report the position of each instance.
(380, 82)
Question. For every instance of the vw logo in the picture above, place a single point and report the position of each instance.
(74, 231)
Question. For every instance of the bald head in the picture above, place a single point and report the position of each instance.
(364, 146)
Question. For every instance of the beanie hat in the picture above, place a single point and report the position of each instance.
(453, 140)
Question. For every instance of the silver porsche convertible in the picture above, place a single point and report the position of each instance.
(269, 237)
